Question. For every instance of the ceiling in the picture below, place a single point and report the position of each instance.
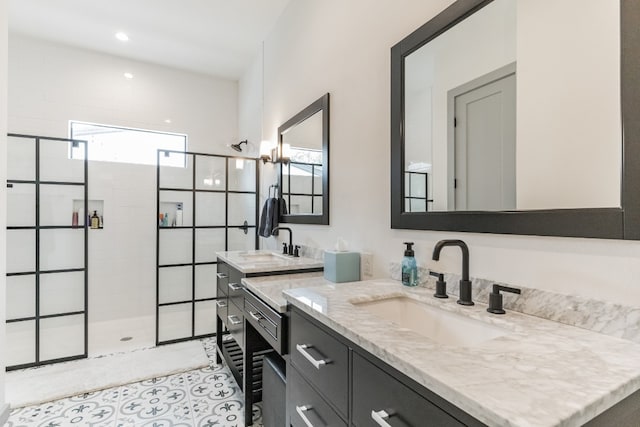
(215, 37)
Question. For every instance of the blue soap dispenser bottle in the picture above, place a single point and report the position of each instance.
(409, 266)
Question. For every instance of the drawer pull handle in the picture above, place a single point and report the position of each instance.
(221, 304)
(256, 316)
(234, 286)
(302, 349)
(233, 319)
(221, 275)
(301, 411)
(381, 417)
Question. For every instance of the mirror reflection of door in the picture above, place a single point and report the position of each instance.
(485, 146)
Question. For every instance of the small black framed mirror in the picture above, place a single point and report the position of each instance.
(427, 179)
(303, 155)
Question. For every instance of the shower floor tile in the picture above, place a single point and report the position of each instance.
(203, 397)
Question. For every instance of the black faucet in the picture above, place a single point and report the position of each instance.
(290, 250)
(465, 283)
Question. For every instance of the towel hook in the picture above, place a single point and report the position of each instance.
(275, 190)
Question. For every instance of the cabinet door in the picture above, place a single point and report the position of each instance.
(376, 394)
(322, 359)
(306, 407)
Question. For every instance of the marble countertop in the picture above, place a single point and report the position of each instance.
(269, 288)
(261, 261)
(540, 373)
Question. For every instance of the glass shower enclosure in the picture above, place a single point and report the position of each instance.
(205, 203)
(46, 251)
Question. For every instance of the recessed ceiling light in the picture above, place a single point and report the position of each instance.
(167, 121)
(128, 76)
(123, 37)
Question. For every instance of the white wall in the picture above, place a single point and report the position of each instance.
(569, 153)
(51, 84)
(250, 106)
(3, 190)
(350, 58)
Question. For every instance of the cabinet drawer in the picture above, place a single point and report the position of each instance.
(265, 320)
(374, 391)
(235, 287)
(321, 358)
(222, 279)
(304, 402)
(235, 324)
(223, 310)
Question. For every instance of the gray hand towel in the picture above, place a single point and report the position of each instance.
(269, 218)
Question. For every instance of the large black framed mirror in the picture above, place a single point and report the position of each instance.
(426, 181)
(303, 180)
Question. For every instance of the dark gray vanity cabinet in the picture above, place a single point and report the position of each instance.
(254, 329)
(230, 316)
(333, 382)
(243, 353)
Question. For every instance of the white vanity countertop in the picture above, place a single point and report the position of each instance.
(269, 288)
(266, 261)
(540, 374)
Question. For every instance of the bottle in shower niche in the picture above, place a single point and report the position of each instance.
(74, 219)
(179, 215)
(409, 266)
(95, 220)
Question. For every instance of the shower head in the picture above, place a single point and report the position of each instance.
(237, 146)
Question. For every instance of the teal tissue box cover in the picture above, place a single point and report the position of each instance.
(341, 266)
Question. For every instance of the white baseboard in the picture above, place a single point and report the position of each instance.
(4, 414)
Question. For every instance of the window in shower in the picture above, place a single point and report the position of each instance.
(210, 205)
(126, 145)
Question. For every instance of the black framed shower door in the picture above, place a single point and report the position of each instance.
(47, 251)
(205, 203)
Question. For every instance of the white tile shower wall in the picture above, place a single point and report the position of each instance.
(52, 84)
(302, 61)
(3, 193)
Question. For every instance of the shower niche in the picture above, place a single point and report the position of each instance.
(79, 214)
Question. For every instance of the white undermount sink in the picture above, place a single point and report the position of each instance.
(442, 326)
(262, 257)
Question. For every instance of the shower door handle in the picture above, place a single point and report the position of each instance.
(245, 227)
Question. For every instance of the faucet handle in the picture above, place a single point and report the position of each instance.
(495, 298)
(441, 285)
(440, 276)
(296, 251)
(284, 249)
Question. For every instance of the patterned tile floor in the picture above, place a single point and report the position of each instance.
(204, 397)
